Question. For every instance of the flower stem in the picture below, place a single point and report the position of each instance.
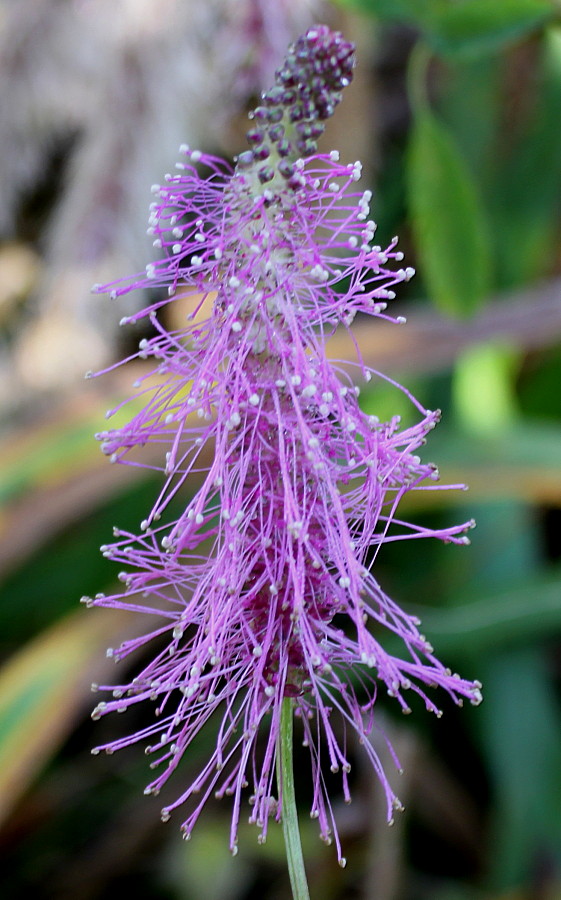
(285, 779)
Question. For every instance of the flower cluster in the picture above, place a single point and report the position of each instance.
(264, 585)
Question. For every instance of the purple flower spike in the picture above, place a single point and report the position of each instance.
(265, 586)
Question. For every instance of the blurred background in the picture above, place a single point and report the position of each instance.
(455, 112)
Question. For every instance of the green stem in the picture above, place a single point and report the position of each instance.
(285, 779)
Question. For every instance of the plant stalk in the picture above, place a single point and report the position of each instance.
(287, 796)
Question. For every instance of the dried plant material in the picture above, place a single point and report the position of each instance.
(19, 271)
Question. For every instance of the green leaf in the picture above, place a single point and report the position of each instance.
(521, 736)
(483, 388)
(224, 877)
(448, 220)
(38, 455)
(525, 198)
(471, 102)
(468, 28)
(43, 689)
(69, 563)
(539, 392)
(524, 613)
(474, 27)
(51, 450)
(521, 462)
(412, 11)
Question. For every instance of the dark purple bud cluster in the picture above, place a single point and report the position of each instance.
(291, 118)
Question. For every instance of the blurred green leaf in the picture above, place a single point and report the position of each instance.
(414, 11)
(37, 456)
(471, 102)
(206, 869)
(384, 401)
(43, 688)
(518, 724)
(525, 445)
(539, 386)
(51, 450)
(525, 196)
(473, 27)
(47, 452)
(483, 387)
(53, 475)
(49, 584)
(448, 220)
(465, 29)
(522, 461)
(525, 612)
(521, 734)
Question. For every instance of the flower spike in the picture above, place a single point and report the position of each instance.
(265, 585)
